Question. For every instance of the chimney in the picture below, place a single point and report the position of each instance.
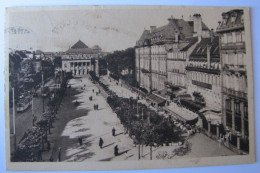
(197, 25)
(176, 37)
(152, 28)
(208, 57)
(211, 35)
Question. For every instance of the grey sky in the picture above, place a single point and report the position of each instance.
(112, 28)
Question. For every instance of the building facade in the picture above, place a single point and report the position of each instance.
(203, 73)
(161, 53)
(80, 59)
(234, 73)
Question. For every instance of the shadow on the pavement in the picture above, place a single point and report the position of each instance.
(98, 137)
(120, 153)
(152, 150)
(107, 159)
(67, 112)
(108, 145)
(129, 156)
(119, 134)
(101, 109)
(82, 157)
(81, 130)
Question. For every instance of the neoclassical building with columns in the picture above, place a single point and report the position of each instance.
(80, 59)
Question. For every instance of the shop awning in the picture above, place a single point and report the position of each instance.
(156, 99)
(214, 117)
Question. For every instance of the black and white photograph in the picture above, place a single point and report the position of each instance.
(128, 87)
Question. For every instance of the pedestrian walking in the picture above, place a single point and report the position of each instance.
(93, 90)
(97, 107)
(101, 143)
(51, 159)
(80, 140)
(116, 150)
(113, 131)
(94, 106)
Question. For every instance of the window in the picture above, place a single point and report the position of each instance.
(229, 38)
(243, 36)
(238, 37)
(228, 105)
(237, 107)
(88, 63)
(228, 119)
(71, 64)
(245, 111)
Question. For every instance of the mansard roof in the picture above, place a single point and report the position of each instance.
(231, 20)
(174, 26)
(145, 38)
(200, 51)
(191, 41)
(167, 32)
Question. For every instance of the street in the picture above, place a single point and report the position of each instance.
(74, 121)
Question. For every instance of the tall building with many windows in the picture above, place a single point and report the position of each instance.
(161, 53)
(234, 74)
(203, 73)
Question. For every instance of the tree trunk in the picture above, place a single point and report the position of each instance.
(139, 152)
(142, 150)
(151, 153)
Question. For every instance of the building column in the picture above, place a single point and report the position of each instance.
(209, 122)
(217, 130)
(97, 68)
(227, 136)
(238, 140)
(233, 113)
(224, 110)
(74, 68)
(242, 118)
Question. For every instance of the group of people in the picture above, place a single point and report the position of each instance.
(101, 142)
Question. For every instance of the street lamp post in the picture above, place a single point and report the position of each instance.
(14, 133)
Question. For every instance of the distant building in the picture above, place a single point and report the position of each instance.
(234, 74)
(80, 59)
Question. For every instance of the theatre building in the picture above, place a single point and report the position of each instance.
(234, 73)
(80, 59)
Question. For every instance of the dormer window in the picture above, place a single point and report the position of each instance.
(233, 17)
(242, 18)
(225, 19)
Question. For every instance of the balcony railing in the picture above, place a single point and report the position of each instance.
(204, 70)
(202, 84)
(232, 67)
(232, 92)
(223, 28)
(232, 46)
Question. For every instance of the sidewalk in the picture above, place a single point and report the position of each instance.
(90, 124)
